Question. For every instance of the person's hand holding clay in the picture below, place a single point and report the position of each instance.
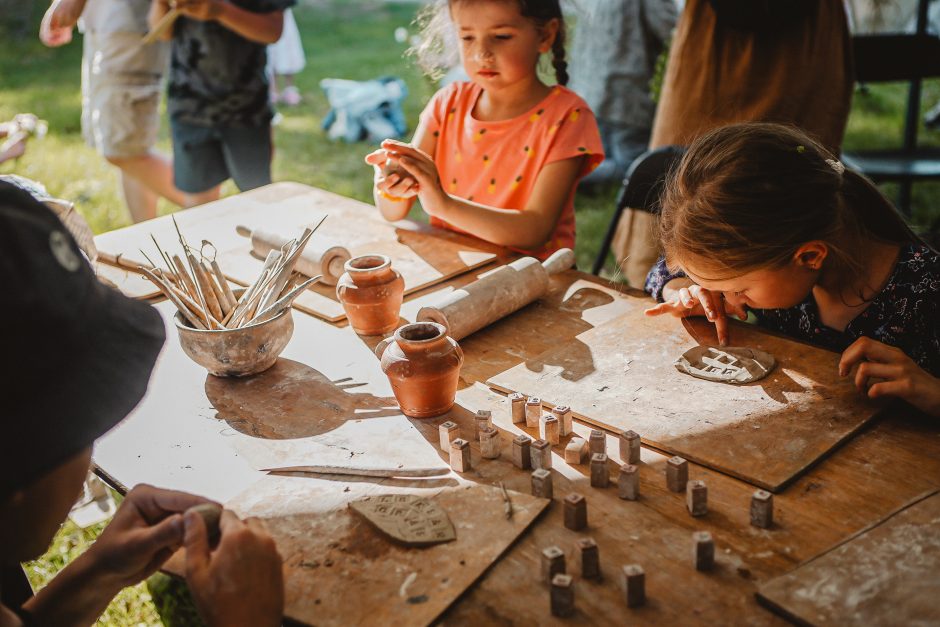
(146, 530)
(887, 371)
(683, 298)
(419, 166)
(241, 581)
(390, 178)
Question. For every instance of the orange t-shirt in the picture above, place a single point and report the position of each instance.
(497, 163)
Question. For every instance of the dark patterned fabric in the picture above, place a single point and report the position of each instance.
(217, 77)
(905, 314)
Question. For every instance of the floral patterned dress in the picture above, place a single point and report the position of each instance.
(905, 314)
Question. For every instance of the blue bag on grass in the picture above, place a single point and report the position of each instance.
(365, 110)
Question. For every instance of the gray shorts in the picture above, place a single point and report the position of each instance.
(205, 156)
(121, 88)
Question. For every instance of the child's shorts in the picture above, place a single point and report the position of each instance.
(205, 156)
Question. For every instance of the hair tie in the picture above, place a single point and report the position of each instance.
(837, 166)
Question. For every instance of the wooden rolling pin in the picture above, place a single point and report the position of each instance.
(318, 258)
(496, 295)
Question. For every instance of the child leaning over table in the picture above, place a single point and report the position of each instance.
(761, 217)
(500, 156)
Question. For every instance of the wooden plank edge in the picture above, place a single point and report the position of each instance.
(773, 606)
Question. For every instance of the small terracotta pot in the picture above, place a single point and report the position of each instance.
(423, 365)
(371, 292)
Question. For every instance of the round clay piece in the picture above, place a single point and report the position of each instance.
(730, 364)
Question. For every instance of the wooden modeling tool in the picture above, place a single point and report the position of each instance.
(165, 23)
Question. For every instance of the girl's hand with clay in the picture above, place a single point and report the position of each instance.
(887, 371)
(683, 298)
(420, 167)
(391, 181)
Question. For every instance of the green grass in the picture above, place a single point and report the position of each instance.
(343, 39)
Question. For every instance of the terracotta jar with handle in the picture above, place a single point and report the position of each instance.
(371, 292)
(423, 365)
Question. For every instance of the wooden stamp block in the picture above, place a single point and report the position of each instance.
(762, 509)
(590, 558)
(542, 483)
(553, 563)
(533, 411)
(628, 483)
(600, 475)
(563, 412)
(703, 550)
(484, 420)
(449, 431)
(696, 497)
(521, 457)
(541, 455)
(489, 443)
(550, 429)
(633, 580)
(460, 455)
(576, 451)
(677, 474)
(630, 447)
(598, 442)
(518, 407)
(562, 595)
(575, 512)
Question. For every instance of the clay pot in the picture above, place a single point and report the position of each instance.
(371, 293)
(423, 364)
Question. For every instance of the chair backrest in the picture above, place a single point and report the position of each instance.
(884, 58)
(646, 178)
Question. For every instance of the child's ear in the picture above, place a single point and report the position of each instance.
(811, 255)
(549, 32)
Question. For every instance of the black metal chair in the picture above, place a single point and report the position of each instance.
(891, 58)
(642, 187)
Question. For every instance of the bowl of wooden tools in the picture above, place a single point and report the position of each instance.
(232, 333)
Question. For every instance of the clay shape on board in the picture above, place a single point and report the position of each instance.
(407, 518)
(736, 365)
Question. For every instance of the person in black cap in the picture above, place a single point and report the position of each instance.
(79, 357)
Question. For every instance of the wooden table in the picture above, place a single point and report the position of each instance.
(174, 440)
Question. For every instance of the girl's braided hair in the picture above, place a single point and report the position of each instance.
(436, 50)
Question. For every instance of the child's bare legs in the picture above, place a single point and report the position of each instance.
(201, 198)
(144, 178)
(290, 95)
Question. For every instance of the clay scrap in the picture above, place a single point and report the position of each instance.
(407, 518)
(734, 365)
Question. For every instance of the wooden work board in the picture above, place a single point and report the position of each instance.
(423, 255)
(887, 574)
(620, 375)
(339, 570)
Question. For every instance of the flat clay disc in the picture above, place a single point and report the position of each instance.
(729, 364)
(407, 518)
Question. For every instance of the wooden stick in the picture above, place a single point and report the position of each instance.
(223, 283)
(282, 303)
(171, 296)
(184, 280)
(365, 472)
(160, 27)
(205, 287)
(219, 294)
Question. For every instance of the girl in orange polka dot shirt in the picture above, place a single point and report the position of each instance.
(498, 157)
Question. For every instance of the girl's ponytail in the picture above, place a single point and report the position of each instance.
(558, 56)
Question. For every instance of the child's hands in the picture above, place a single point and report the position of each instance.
(55, 29)
(887, 371)
(421, 167)
(202, 10)
(682, 298)
(390, 179)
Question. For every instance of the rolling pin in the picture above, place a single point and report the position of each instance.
(318, 258)
(496, 295)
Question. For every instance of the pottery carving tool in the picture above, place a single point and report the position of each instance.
(161, 27)
(365, 472)
(495, 295)
(319, 257)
